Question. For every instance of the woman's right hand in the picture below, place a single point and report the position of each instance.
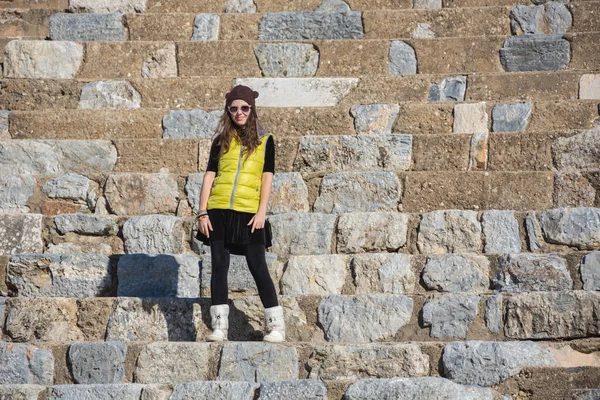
(205, 226)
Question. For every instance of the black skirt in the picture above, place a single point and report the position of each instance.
(232, 227)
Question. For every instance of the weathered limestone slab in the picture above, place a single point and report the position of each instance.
(367, 232)
(289, 194)
(112, 95)
(512, 117)
(457, 273)
(97, 363)
(449, 315)
(558, 18)
(425, 388)
(478, 153)
(343, 192)
(258, 362)
(590, 271)
(173, 363)
(449, 89)
(382, 273)
(381, 360)
(449, 231)
(589, 87)
(316, 275)
(556, 315)
(315, 238)
(579, 227)
(377, 119)
(489, 363)
(192, 124)
(501, 232)
(25, 364)
(427, 4)
(87, 27)
(129, 391)
(108, 6)
(311, 25)
(293, 389)
(532, 272)
(364, 318)
(525, 20)
(15, 192)
(2, 307)
(534, 232)
(334, 6)
(22, 392)
(493, 313)
(157, 392)
(154, 234)
(139, 194)
(402, 59)
(239, 6)
(214, 390)
(53, 275)
(470, 118)
(581, 151)
(162, 63)
(68, 186)
(21, 233)
(4, 133)
(281, 60)
(39, 59)
(239, 276)
(358, 153)
(535, 53)
(590, 394)
(193, 186)
(86, 224)
(206, 27)
(164, 275)
(299, 92)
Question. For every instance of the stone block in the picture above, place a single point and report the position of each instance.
(512, 117)
(558, 18)
(214, 390)
(418, 4)
(85, 224)
(108, 6)
(289, 194)
(368, 232)
(478, 153)
(15, 192)
(53, 275)
(4, 133)
(258, 362)
(457, 273)
(579, 227)
(139, 194)
(535, 53)
(449, 231)
(38, 59)
(97, 363)
(315, 237)
(193, 186)
(315, 275)
(21, 233)
(589, 87)
(162, 63)
(311, 25)
(364, 318)
(532, 272)
(493, 313)
(25, 364)
(83, 27)
(22, 392)
(525, 20)
(2, 307)
(382, 360)
(450, 315)
(375, 119)
(580, 151)
(490, 363)
(402, 59)
(164, 275)
(449, 89)
(280, 60)
(501, 232)
(112, 95)
(575, 189)
(173, 363)
(334, 6)
(68, 186)
(344, 192)
(239, 6)
(470, 118)
(154, 234)
(423, 31)
(589, 268)
(535, 238)
(206, 27)
(382, 273)
(193, 124)
(129, 391)
(157, 392)
(293, 389)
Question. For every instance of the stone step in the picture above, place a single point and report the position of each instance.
(24, 22)
(36, 4)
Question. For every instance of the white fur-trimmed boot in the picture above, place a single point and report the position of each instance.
(219, 319)
(275, 325)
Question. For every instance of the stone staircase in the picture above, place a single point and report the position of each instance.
(436, 206)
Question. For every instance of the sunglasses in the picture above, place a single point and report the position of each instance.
(243, 109)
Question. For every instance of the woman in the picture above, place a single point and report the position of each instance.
(233, 207)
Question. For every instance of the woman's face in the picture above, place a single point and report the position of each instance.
(238, 116)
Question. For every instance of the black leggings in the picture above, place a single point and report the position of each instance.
(255, 257)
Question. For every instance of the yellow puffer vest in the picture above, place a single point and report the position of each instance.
(238, 181)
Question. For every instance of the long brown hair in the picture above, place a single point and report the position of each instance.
(247, 134)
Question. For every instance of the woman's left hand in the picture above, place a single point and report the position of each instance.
(258, 221)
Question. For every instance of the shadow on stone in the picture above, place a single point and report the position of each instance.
(240, 328)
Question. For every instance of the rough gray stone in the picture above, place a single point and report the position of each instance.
(367, 232)
(457, 273)
(382, 360)
(423, 31)
(287, 59)
(206, 27)
(193, 124)
(53, 275)
(86, 224)
(164, 275)
(289, 194)
(111, 95)
(470, 118)
(574, 188)
(239, 6)
(425, 388)
(2, 307)
(129, 391)
(427, 4)
(39, 59)
(82, 27)
(402, 59)
(15, 192)
(293, 389)
(450, 89)
(314, 239)
(193, 186)
(526, 20)
(558, 18)
(590, 271)
(258, 362)
(173, 363)
(315, 275)
(239, 277)
(382, 273)
(108, 6)
(449, 231)
(162, 63)
(97, 363)
(334, 6)
(343, 192)
(535, 53)
(493, 313)
(68, 186)
(55, 157)
(356, 152)
(534, 232)
(154, 234)
(157, 392)
(22, 392)
(375, 119)
(309, 25)
(501, 232)
(21, 233)
(511, 117)
(449, 315)
(490, 363)
(555, 315)
(214, 390)
(579, 227)
(364, 318)
(532, 272)
(590, 394)
(4, 133)
(581, 151)
(140, 194)
(25, 364)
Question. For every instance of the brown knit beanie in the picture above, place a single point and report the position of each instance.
(241, 92)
